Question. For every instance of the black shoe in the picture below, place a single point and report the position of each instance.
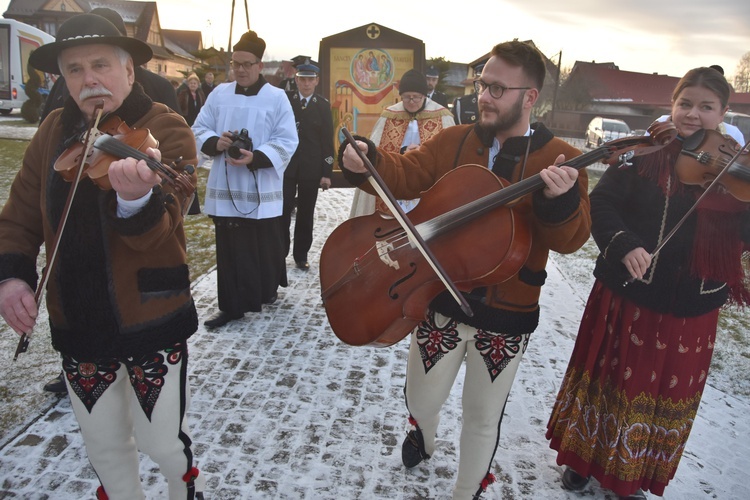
(412, 451)
(221, 318)
(272, 300)
(573, 481)
(304, 265)
(56, 385)
(638, 495)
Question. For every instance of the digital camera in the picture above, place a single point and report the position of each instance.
(240, 141)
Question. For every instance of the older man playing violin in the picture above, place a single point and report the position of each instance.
(118, 295)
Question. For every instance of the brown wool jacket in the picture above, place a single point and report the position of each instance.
(562, 224)
(120, 287)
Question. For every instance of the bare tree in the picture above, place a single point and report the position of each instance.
(742, 75)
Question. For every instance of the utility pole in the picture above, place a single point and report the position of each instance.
(231, 25)
(557, 85)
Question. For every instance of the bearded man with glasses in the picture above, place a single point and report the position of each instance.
(403, 127)
(244, 191)
(492, 340)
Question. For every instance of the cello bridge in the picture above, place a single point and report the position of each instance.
(384, 250)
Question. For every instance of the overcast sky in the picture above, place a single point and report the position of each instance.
(638, 35)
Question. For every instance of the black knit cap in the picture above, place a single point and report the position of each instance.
(87, 29)
(413, 81)
(251, 42)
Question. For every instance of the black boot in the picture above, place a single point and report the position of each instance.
(56, 385)
(573, 481)
(412, 451)
(221, 318)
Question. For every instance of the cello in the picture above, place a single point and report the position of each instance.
(376, 286)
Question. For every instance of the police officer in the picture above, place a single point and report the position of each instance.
(312, 163)
(433, 75)
(289, 82)
(465, 108)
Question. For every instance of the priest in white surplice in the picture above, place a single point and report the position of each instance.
(244, 189)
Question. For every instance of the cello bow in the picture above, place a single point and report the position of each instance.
(415, 238)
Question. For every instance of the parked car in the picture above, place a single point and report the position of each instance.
(601, 130)
(739, 120)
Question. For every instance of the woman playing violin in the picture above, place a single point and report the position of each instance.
(634, 383)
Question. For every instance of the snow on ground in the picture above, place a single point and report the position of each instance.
(281, 409)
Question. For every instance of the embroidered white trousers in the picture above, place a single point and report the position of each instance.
(117, 427)
(429, 379)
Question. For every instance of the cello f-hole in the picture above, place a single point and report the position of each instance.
(392, 290)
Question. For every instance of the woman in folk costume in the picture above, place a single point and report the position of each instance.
(401, 128)
(638, 369)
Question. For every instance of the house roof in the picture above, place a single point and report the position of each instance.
(606, 83)
(172, 47)
(187, 40)
(24, 7)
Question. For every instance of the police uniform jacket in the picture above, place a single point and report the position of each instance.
(314, 156)
(439, 98)
(466, 109)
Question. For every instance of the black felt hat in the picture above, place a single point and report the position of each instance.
(87, 29)
(413, 81)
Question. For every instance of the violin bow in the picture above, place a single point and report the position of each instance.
(697, 202)
(414, 237)
(23, 342)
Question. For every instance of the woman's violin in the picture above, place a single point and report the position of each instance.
(704, 156)
(376, 286)
(115, 140)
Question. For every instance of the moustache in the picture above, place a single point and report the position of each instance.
(88, 93)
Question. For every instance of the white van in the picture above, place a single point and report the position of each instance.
(17, 40)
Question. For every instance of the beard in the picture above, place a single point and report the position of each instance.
(503, 122)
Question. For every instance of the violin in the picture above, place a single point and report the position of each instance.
(703, 158)
(115, 140)
(376, 287)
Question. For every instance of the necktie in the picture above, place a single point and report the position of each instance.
(304, 102)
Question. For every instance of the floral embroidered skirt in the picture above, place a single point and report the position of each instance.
(630, 393)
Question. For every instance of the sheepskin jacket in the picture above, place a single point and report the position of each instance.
(120, 287)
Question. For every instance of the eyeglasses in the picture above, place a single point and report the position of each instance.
(496, 90)
(412, 98)
(247, 66)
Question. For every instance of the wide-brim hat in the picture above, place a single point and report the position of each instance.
(87, 29)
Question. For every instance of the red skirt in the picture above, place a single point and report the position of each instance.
(631, 391)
